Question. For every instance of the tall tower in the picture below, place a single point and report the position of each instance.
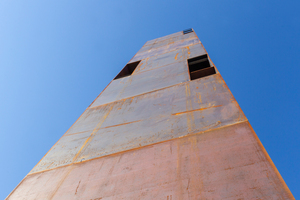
(167, 127)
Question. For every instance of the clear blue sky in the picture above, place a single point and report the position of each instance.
(57, 56)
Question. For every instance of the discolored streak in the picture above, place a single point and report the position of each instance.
(122, 124)
(200, 109)
(92, 134)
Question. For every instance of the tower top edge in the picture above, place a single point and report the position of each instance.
(176, 34)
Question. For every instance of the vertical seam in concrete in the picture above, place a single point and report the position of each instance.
(190, 115)
(88, 140)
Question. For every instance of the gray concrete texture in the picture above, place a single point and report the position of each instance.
(158, 135)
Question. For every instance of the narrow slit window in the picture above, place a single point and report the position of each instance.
(200, 67)
(127, 70)
(186, 31)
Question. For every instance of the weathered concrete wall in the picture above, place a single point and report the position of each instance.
(158, 135)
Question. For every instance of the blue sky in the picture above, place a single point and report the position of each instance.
(57, 56)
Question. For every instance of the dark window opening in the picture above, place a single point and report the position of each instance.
(200, 67)
(128, 70)
(186, 31)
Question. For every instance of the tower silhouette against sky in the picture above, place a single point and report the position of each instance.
(167, 127)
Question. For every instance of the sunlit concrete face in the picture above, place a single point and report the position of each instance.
(155, 134)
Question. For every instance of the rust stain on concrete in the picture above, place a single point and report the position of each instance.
(200, 109)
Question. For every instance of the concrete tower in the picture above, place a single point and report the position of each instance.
(167, 127)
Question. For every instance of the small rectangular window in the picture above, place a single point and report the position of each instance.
(200, 67)
(128, 70)
(187, 31)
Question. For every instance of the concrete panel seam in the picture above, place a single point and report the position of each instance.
(145, 93)
(133, 149)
